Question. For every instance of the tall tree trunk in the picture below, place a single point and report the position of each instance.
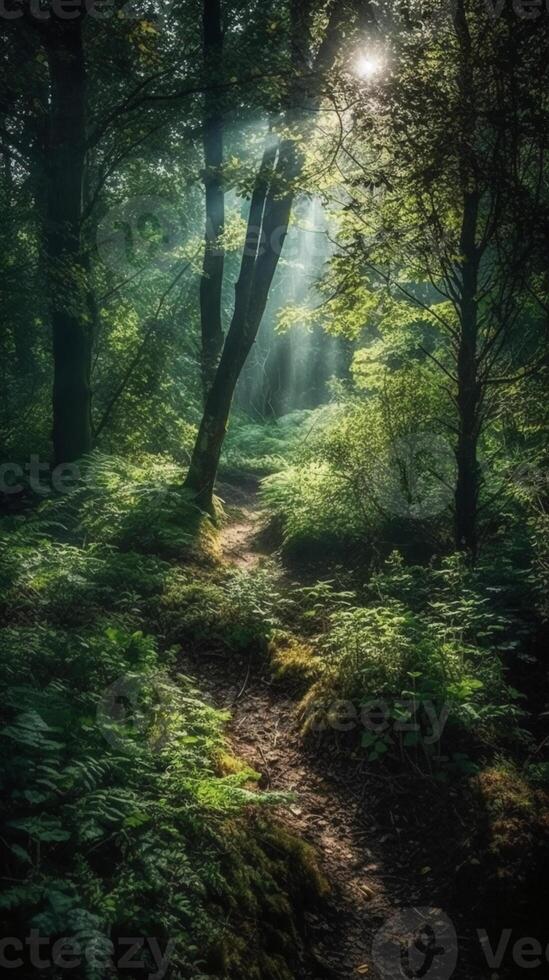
(469, 395)
(267, 228)
(214, 258)
(72, 433)
(268, 221)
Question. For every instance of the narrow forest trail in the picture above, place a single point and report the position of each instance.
(369, 862)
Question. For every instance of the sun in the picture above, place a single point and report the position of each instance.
(368, 65)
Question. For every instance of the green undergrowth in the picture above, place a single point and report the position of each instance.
(123, 813)
(140, 506)
(266, 447)
(414, 673)
(416, 647)
(353, 490)
(365, 479)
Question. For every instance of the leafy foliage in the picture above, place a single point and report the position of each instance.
(118, 817)
(428, 647)
(266, 447)
(235, 612)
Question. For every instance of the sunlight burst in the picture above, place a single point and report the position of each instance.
(368, 65)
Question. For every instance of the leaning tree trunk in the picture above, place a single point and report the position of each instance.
(268, 222)
(211, 285)
(72, 433)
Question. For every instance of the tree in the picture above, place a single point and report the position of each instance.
(67, 272)
(71, 127)
(211, 284)
(445, 217)
(267, 226)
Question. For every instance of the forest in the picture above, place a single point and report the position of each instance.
(274, 498)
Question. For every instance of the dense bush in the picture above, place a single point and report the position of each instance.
(359, 482)
(139, 505)
(115, 819)
(429, 643)
(315, 508)
(234, 611)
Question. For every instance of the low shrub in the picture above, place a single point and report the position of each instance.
(359, 483)
(293, 659)
(429, 645)
(141, 507)
(316, 510)
(231, 611)
(112, 816)
(262, 448)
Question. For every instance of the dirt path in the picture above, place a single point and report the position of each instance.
(238, 536)
(370, 861)
(326, 813)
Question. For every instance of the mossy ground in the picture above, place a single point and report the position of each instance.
(292, 658)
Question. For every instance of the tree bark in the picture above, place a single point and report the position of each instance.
(469, 387)
(469, 394)
(268, 214)
(211, 285)
(66, 268)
